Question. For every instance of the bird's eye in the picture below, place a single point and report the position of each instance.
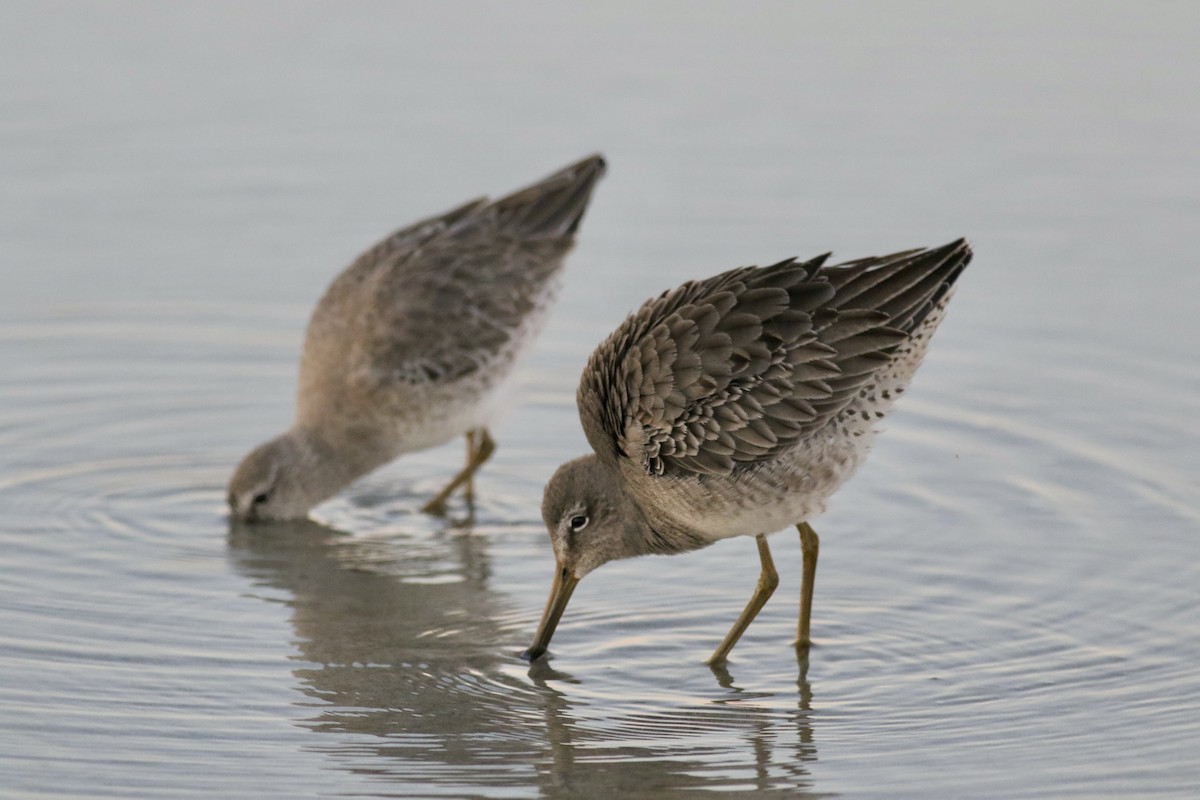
(578, 523)
(260, 498)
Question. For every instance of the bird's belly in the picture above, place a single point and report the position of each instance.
(435, 415)
(403, 415)
(450, 409)
(773, 496)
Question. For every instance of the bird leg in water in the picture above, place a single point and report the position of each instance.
(469, 489)
(809, 544)
(768, 579)
(480, 447)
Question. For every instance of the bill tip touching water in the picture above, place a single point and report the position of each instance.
(411, 345)
(736, 406)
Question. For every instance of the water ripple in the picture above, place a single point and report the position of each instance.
(994, 579)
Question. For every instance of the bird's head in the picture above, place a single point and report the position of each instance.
(274, 481)
(591, 520)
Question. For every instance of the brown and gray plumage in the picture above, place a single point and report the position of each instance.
(736, 406)
(410, 346)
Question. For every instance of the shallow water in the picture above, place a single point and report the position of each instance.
(1006, 604)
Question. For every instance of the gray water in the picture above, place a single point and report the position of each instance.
(1007, 600)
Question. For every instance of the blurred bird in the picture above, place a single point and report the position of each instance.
(411, 344)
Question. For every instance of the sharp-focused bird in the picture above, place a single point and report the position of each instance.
(411, 345)
(735, 406)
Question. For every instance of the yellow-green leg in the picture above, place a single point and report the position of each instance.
(480, 447)
(809, 545)
(469, 486)
(768, 579)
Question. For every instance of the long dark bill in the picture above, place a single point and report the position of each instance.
(560, 594)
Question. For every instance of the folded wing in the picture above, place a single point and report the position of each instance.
(719, 374)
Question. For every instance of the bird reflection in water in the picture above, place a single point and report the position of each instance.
(408, 645)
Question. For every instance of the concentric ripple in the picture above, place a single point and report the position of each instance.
(995, 581)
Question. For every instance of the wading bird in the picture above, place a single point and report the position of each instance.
(735, 406)
(410, 346)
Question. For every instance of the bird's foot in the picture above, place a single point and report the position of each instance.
(435, 507)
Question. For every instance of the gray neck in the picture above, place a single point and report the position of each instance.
(648, 533)
(664, 537)
(329, 463)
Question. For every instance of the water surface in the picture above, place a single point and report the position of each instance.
(1006, 604)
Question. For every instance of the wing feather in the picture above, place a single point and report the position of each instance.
(721, 373)
(437, 300)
